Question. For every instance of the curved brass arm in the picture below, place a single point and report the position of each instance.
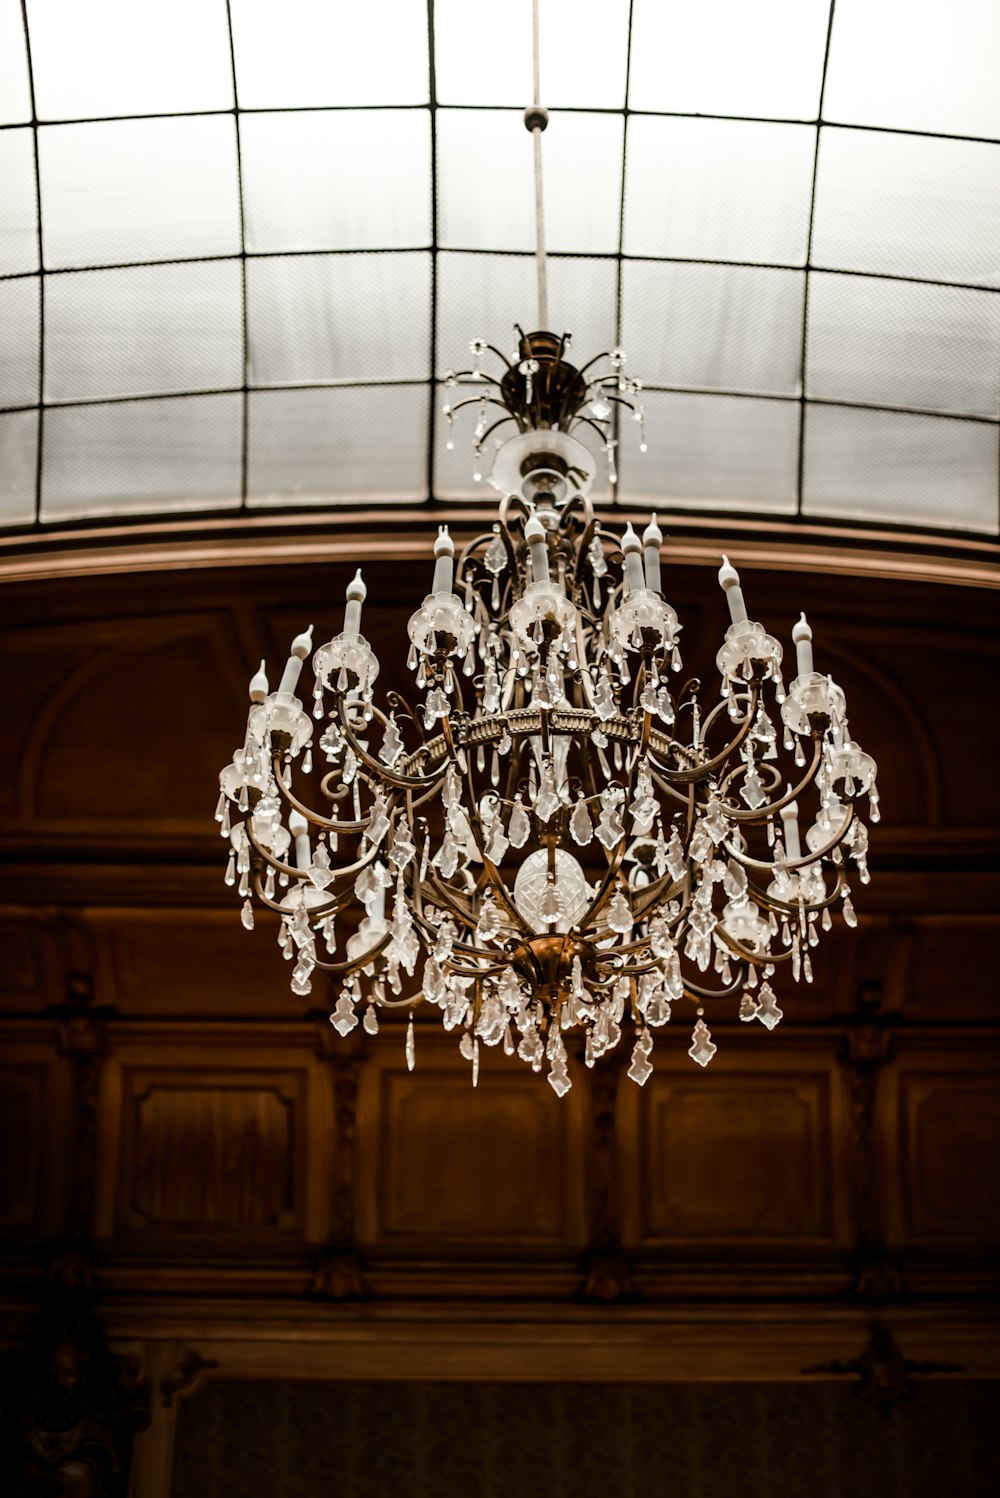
(761, 812)
(404, 782)
(707, 769)
(328, 824)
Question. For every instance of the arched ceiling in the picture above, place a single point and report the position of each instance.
(241, 243)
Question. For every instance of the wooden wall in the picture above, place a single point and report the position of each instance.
(254, 1188)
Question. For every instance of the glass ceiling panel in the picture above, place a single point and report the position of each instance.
(137, 456)
(718, 190)
(320, 248)
(482, 296)
(139, 190)
(318, 446)
(729, 57)
(112, 57)
(339, 317)
(916, 65)
(342, 181)
(896, 343)
(713, 326)
(713, 452)
(15, 94)
(574, 71)
(18, 204)
(908, 206)
(147, 330)
(486, 191)
(887, 466)
(18, 449)
(19, 341)
(301, 54)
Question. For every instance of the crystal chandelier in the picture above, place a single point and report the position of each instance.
(548, 838)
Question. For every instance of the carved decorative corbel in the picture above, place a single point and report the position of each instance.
(336, 1273)
(607, 1273)
(882, 1373)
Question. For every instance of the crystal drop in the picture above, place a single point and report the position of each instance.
(475, 1063)
(411, 1057)
(558, 1078)
(748, 1006)
(465, 1045)
(519, 826)
(508, 1040)
(850, 918)
(244, 883)
(580, 824)
(767, 1010)
(269, 884)
(370, 1021)
(246, 915)
(551, 909)
(231, 868)
(642, 1068)
(702, 1049)
(826, 919)
(619, 915)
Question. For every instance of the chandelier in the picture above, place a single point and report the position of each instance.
(551, 836)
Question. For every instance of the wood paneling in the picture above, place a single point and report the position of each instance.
(213, 1144)
(440, 1163)
(744, 1152)
(948, 1132)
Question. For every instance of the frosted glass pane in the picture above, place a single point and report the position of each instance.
(143, 331)
(728, 57)
(714, 326)
(880, 465)
(335, 446)
(139, 190)
(15, 95)
(485, 185)
(142, 457)
(715, 452)
(895, 343)
(583, 47)
(916, 64)
(339, 317)
(19, 320)
(904, 205)
(18, 451)
(483, 296)
(718, 190)
(18, 208)
(300, 53)
(342, 181)
(109, 57)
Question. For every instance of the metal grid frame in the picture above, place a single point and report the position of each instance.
(432, 108)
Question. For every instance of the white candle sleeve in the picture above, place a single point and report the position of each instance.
(790, 822)
(534, 534)
(729, 581)
(301, 646)
(802, 637)
(356, 595)
(444, 562)
(632, 549)
(652, 540)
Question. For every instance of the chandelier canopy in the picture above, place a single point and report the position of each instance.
(549, 837)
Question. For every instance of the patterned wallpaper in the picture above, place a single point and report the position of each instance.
(436, 1440)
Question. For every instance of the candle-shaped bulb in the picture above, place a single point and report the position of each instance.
(802, 638)
(444, 563)
(534, 534)
(356, 595)
(258, 684)
(301, 646)
(652, 540)
(790, 822)
(729, 581)
(632, 550)
(299, 828)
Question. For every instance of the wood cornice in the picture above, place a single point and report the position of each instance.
(792, 545)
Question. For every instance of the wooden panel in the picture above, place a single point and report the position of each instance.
(949, 1142)
(197, 1154)
(947, 960)
(22, 1097)
(187, 962)
(742, 1151)
(441, 1160)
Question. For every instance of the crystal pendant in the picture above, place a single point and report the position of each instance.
(580, 824)
(702, 1049)
(519, 826)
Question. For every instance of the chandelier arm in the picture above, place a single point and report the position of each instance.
(697, 994)
(403, 782)
(720, 707)
(706, 769)
(656, 893)
(479, 400)
(589, 422)
(795, 863)
(355, 964)
(783, 907)
(665, 785)
(328, 824)
(474, 376)
(324, 910)
(465, 554)
(762, 812)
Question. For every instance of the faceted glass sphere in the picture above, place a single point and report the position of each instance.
(531, 887)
